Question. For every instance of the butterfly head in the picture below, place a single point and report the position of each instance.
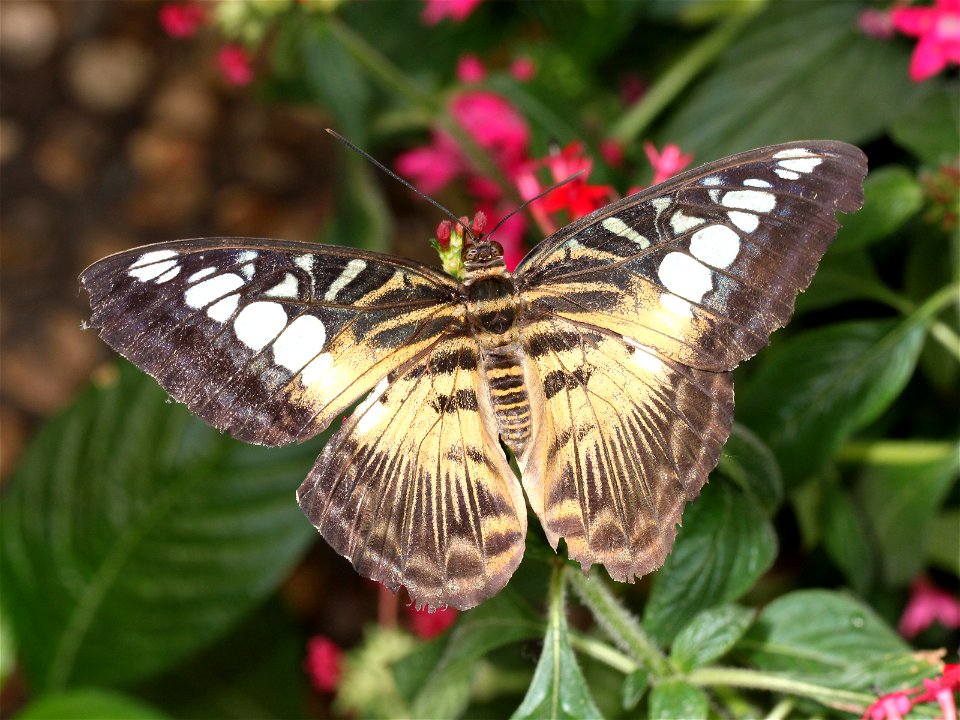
(482, 256)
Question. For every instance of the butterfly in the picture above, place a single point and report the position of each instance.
(603, 363)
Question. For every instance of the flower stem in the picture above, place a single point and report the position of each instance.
(636, 120)
(621, 626)
(895, 452)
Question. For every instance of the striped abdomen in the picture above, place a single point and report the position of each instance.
(511, 404)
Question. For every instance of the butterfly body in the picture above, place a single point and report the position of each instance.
(603, 362)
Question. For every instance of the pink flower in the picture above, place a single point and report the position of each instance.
(889, 707)
(927, 605)
(576, 198)
(235, 64)
(437, 10)
(426, 625)
(942, 689)
(666, 164)
(470, 70)
(523, 69)
(494, 125)
(324, 663)
(181, 20)
(876, 23)
(938, 27)
(612, 152)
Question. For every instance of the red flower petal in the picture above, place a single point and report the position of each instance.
(323, 663)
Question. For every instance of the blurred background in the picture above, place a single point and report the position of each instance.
(126, 123)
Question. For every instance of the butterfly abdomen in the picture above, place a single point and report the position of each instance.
(508, 395)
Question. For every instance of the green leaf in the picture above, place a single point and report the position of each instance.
(929, 130)
(677, 700)
(753, 468)
(634, 688)
(943, 539)
(89, 705)
(822, 385)
(8, 648)
(725, 544)
(844, 533)
(841, 277)
(434, 677)
(709, 636)
(558, 689)
(131, 525)
(256, 671)
(791, 74)
(902, 489)
(891, 197)
(831, 639)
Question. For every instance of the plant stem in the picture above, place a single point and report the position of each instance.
(622, 627)
(895, 452)
(739, 677)
(681, 73)
(599, 650)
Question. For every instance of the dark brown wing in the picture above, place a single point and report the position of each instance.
(267, 340)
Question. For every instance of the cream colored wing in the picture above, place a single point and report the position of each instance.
(414, 489)
(622, 438)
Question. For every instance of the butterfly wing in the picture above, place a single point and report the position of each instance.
(705, 266)
(267, 340)
(414, 489)
(634, 317)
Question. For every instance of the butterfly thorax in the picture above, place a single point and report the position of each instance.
(493, 308)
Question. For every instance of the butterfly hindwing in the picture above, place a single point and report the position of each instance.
(414, 489)
(623, 438)
(265, 339)
(705, 266)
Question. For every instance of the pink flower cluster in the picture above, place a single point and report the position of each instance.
(184, 20)
(937, 26)
(942, 690)
(502, 134)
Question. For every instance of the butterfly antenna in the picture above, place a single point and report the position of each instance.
(535, 198)
(369, 158)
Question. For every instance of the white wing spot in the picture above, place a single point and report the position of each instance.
(620, 228)
(715, 245)
(676, 305)
(348, 275)
(247, 256)
(170, 274)
(286, 288)
(747, 222)
(259, 323)
(223, 309)
(204, 293)
(758, 201)
(685, 276)
(201, 274)
(803, 165)
(300, 343)
(756, 182)
(647, 359)
(793, 152)
(681, 223)
(304, 262)
(370, 411)
(247, 271)
(153, 264)
(787, 174)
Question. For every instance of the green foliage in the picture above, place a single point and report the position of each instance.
(142, 552)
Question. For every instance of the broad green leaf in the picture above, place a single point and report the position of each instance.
(725, 544)
(943, 539)
(92, 704)
(677, 700)
(845, 535)
(558, 689)
(892, 196)
(751, 465)
(8, 647)
(831, 639)
(822, 385)
(435, 678)
(709, 636)
(902, 489)
(790, 75)
(841, 277)
(256, 671)
(635, 686)
(929, 130)
(133, 535)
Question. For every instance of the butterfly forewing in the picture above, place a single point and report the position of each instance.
(705, 266)
(414, 488)
(265, 339)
